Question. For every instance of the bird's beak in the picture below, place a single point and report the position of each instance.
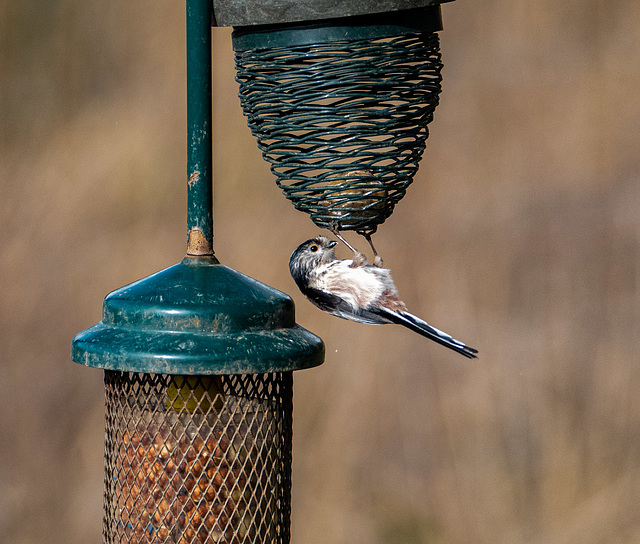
(333, 243)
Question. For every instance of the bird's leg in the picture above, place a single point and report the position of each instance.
(377, 261)
(359, 259)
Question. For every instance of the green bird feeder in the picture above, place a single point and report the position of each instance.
(198, 358)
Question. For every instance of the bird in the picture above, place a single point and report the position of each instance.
(364, 293)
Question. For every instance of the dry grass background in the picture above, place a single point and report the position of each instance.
(520, 236)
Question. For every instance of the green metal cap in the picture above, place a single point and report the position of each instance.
(198, 317)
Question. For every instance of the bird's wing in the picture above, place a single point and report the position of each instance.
(423, 328)
(338, 307)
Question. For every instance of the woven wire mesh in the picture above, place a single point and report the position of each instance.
(197, 459)
(343, 124)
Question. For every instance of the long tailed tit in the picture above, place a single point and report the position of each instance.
(358, 292)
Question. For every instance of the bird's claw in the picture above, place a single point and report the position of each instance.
(377, 261)
(359, 259)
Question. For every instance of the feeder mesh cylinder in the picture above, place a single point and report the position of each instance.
(197, 459)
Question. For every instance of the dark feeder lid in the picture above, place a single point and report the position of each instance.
(263, 25)
(238, 13)
(198, 317)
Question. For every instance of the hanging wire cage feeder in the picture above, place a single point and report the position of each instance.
(340, 109)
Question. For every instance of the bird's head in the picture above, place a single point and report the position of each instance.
(308, 256)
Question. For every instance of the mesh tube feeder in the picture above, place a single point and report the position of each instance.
(198, 363)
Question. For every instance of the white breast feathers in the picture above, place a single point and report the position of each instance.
(359, 287)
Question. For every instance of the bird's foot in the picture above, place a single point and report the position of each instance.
(359, 259)
(377, 261)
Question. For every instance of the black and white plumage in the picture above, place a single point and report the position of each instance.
(359, 292)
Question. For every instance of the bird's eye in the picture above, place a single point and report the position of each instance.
(314, 248)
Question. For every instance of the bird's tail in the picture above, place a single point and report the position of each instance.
(422, 327)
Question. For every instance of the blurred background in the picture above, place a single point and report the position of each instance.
(520, 236)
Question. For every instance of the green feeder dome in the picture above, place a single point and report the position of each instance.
(198, 317)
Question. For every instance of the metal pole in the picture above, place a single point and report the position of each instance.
(199, 140)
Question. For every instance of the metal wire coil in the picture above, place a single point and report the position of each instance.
(343, 124)
(197, 459)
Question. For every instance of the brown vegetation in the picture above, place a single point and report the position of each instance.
(519, 236)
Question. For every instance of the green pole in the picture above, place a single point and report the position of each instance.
(199, 140)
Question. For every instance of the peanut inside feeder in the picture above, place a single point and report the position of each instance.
(353, 198)
(212, 468)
